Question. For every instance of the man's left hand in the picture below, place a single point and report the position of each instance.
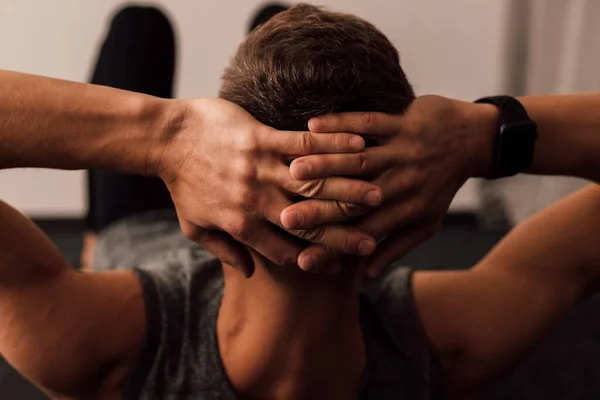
(423, 157)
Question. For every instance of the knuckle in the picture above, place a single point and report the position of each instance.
(246, 198)
(248, 141)
(415, 126)
(347, 245)
(246, 170)
(417, 151)
(341, 140)
(348, 210)
(362, 162)
(311, 188)
(415, 175)
(241, 228)
(368, 119)
(417, 209)
(312, 235)
(306, 142)
(412, 179)
(337, 141)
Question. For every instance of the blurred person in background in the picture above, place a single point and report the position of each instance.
(138, 54)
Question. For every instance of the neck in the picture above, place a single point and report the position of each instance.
(284, 333)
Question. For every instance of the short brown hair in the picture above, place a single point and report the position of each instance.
(306, 62)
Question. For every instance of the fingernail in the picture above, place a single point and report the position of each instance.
(302, 169)
(307, 262)
(357, 143)
(373, 198)
(366, 247)
(292, 219)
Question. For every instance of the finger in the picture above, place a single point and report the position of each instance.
(396, 246)
(222, 246)
(342, 189)
(364, 123)
(349, 190)
(304, 143)
(318, 258)
(272, 243)
(345, 239)
(365, 163)
(309, 214)
(391, 218)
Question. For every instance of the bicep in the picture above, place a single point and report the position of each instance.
(71, 334)
(483, 320)
(62, 329)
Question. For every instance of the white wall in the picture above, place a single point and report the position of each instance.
(563, 54)
(453, 48)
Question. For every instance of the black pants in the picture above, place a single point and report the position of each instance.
(138, 54)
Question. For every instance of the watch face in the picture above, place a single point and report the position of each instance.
(516, 143)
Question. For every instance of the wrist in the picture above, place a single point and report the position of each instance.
(165, 126)
(485, 121)
(132, 136)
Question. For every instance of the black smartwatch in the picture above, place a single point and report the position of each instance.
(515, 139)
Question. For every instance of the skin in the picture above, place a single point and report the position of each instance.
(479, 321)
(221, 167)
(195, 146)
(426, 155)
(282, 333)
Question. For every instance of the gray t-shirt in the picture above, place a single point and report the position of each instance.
(183, 288)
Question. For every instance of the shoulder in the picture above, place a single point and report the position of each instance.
(182, 292)
(392, 294)
(392, 326)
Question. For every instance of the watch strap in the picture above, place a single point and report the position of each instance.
(515, 138)
(511, 110)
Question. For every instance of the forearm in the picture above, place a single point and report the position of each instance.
(568, 134)
(53, 123)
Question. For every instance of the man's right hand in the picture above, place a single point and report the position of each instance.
(229, 179)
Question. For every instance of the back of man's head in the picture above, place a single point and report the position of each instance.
(306, 62)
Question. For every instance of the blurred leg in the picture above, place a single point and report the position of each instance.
(138, 54)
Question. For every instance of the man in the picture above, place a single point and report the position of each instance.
(170, 330)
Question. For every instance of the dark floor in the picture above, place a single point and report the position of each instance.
(566, 366)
